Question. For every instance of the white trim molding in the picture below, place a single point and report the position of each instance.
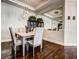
(60, 43)
(5, 40)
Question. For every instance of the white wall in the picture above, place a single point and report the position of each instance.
(70, 30)
(11, 16)
(54, 36)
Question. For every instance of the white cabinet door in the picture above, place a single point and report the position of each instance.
(70, 28)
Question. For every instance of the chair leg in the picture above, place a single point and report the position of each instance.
(33, 52)
(27, 47)
(15, 52)
(41, 48)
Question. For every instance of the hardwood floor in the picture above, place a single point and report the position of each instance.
(50, 51)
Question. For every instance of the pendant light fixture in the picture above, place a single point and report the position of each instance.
(25, 11)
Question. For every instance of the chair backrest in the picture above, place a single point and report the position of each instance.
(38, 36)
(12, 36)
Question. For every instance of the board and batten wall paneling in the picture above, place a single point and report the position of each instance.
(70, 27)
(11, 16)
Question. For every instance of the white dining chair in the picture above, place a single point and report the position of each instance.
(37, 41)
(15, 41)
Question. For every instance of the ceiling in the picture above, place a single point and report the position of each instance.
(51, 8)
(33, 3)
(56, 13)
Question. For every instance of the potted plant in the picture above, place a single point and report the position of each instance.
(39, 20)
(32, 18)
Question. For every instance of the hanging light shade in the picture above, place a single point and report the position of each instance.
(25, 11)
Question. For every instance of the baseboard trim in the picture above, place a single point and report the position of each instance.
(70, 44)
(53, 42)
(8, 40)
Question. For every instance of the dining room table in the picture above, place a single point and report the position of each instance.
(24, 36)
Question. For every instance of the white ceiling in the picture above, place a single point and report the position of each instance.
(56, 13)
(39, 6)
(33, 3)
(42, 6)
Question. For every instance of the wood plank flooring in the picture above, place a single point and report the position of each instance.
(50, 51)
